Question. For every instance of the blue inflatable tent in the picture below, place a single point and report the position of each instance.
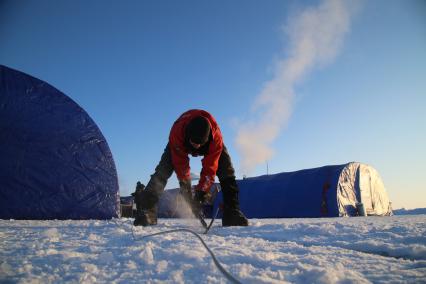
(329, 191)
(55, 163)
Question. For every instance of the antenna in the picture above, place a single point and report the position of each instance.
(267, 168)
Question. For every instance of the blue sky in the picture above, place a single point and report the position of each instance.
(135, 66)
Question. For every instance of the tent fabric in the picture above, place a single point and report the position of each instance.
(329, 191)
(55, 163)
(362, 183)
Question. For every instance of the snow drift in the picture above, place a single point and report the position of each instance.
(321, 250)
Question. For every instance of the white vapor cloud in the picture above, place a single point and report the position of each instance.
(314, 37)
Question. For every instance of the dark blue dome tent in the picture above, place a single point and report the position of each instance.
(329, 191)
(55, 163)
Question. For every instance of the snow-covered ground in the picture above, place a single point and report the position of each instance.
(335, 250)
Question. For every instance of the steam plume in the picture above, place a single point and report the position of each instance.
(314, 39)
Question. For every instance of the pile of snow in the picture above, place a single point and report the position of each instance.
(334, 250)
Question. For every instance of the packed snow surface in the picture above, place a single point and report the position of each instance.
(335, 250)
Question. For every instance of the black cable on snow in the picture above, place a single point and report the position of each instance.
(216, 262)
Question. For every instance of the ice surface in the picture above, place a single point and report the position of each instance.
(334, 250)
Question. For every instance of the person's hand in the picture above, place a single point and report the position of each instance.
(198, 203)
(200, 196)
(185, 190)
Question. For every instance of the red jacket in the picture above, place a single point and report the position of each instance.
(180, 149)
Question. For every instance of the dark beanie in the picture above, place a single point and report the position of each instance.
(198, 130)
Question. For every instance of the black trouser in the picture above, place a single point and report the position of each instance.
(225, 173)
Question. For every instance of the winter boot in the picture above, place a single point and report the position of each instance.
(146, 206)
(232, 215)
(146, 217)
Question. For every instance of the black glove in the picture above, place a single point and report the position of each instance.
(185, 190)
(200, 196)
(185, 185)
(198, 203)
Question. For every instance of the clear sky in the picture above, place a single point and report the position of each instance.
(306, 83)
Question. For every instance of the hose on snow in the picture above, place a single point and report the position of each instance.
(216, 262)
